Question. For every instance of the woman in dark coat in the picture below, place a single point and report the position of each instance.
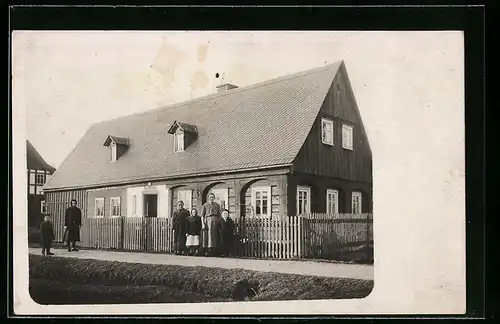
(227, 233)
(46, 235)
(179, 220)
(193, 231)
(72, 223)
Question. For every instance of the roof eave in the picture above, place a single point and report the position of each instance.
(288, 166)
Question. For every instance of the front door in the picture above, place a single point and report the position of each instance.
(221, 197)
(150, 205)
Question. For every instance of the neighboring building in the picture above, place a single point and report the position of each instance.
(39, 172)
(291, 145)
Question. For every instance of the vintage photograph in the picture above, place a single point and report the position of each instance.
(228, 167)
(208, 199)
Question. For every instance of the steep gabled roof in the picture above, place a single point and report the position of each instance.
(258, 126)
(35, 161)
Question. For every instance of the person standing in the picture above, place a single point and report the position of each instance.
(72, 223)
(46, 235)
(228, 233)
(211, 218)
(193, 231)
(180, 218)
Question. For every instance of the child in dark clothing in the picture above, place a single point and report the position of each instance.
(193, 231)
(227, 233)
(46, 235)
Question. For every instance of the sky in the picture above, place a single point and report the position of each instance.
(68, 80)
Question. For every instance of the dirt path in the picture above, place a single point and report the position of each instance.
(322, 269)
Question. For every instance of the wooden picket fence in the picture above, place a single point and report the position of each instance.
(297, 237)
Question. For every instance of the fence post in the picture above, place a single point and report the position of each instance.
(122, 233)
(299, 236)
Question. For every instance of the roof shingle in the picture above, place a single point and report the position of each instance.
(250, 127)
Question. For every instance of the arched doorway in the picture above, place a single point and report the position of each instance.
(256, 199)
(221, 192)
(184, 193)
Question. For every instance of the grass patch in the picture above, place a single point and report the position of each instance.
(50, 292)
(172, 281)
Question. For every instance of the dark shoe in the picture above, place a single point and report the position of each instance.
(69, 250)
(74, 249)
(50, 253)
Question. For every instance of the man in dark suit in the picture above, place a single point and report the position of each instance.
(180, 219)
(72, 223)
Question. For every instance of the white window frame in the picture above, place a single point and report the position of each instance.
(359, 195)
(330, 193)
(134, 205)
(112, 152)
(111, 210)
(328, 121)
(347, 130)
(43, 207)
(307, 190)
(186, 195)
(42, 175)
(100, 200)
(31, 190)
(269, 201)
(178, 138)
(38, 190)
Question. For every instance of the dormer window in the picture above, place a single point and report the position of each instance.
(112, 152)
(117, 146)
(179, 142)
(184, 135)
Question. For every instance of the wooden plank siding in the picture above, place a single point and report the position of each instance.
(56, 204)
(319, 186)
(334, 161)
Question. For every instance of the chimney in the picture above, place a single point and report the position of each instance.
(225, 87)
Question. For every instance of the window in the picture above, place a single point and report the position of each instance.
(347, 137)
(39, 190)
(186, 197)
(114, 206)
(261, 201)
(112, 152)
(356, 203)
(178, 142)
(32, 190)
(43, 208)
(99, 207)
(40, 179)
(134, 204)
(332, 201)
(303, 200)
(327, 131)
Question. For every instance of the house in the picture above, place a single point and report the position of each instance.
(287, 146)
(39, 172)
